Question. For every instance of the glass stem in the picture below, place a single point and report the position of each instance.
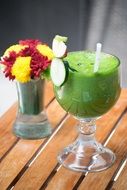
(87, 128)
(86, 154)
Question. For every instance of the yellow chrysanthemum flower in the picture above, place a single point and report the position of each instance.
(46, 51)
(17, 48)
(21, 69)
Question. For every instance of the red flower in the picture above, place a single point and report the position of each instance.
(39, 63)
(10, 59)
(8, 62)
(30, 42)
(28, 51)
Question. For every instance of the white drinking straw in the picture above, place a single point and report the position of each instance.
(97, 59)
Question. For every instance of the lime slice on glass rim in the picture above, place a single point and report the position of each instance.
(58, 71)
(61, 38)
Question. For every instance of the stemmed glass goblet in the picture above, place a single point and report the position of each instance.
(87, 96)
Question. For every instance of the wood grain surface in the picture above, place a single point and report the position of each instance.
(32, 164)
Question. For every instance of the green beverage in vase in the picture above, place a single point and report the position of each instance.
(87, 85)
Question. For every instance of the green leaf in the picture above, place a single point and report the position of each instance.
(46, 74)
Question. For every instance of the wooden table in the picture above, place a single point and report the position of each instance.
(32, 164)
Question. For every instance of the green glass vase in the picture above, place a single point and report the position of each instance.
(31, 120)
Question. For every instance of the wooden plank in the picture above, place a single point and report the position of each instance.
(24, 149)
(7, 139)
(41, 169)
(118, 145)
(49, 94)
(123, 95)
(64, 179)
(45, 163)
(7, 117)
(102, 132)
(5, 121)
(121, 183)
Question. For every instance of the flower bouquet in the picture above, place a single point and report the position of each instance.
(28, 63)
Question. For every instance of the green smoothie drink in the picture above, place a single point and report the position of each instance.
(87, 85)
(86, 94)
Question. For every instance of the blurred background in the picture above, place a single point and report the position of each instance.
(85, 22)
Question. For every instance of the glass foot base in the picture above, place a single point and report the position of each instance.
(86, 155)
(32, 126)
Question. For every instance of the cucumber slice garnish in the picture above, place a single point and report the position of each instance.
(58, 71)
(59, 47)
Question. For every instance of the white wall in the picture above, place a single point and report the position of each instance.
(7, 94)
